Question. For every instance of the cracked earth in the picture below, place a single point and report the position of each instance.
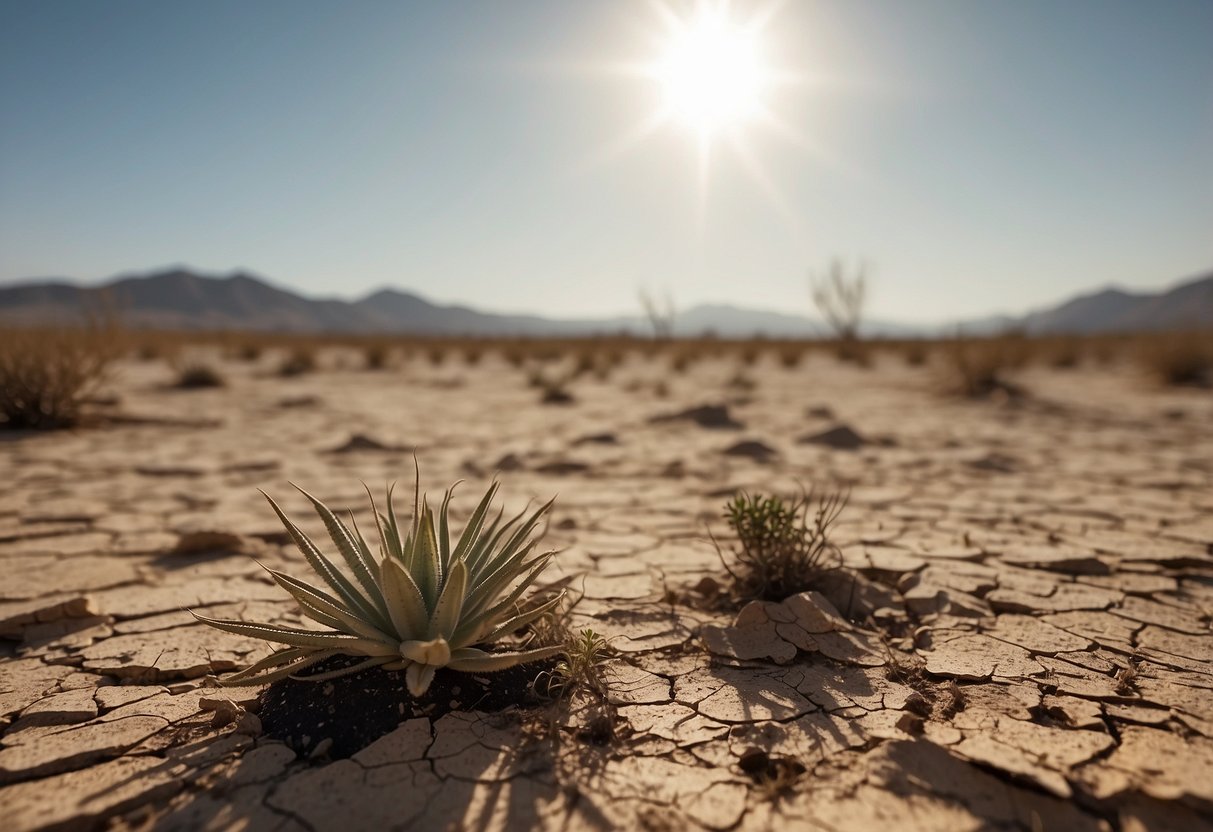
(1021, 639)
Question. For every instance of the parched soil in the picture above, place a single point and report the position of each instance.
(1020, 639)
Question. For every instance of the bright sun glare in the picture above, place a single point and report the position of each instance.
(712, 68)
(711, 72)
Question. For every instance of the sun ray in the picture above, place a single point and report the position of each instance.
(708, 68)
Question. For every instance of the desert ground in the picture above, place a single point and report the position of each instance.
(1022, 641)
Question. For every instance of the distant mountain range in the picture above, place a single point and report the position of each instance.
(181, 299)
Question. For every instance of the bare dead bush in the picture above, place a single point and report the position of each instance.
(48, 375)
(977, 368)
(661, 314)
(1182, 359)
(839, 296)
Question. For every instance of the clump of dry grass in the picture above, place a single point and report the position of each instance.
(582, 668)
(1182, 359)
(785, 545)
(48, 375)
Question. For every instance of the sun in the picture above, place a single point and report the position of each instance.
(711, 71)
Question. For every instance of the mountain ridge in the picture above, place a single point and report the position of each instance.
(181, 298)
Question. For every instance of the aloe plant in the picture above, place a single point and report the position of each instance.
(421, 604)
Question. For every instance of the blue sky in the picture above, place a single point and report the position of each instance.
(982, 156)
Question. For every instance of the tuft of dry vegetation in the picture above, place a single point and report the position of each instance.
(249, 352)
(785, 545)
(300, 361)
(1126, 677)
(47, 376)
(977, 368)
(376, 356)
(582, 670)
(916, 354)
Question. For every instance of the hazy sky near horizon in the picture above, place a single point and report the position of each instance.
(982, 156)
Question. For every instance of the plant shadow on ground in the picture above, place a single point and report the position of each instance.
(339, 717)
(476, 751)
(463, 769)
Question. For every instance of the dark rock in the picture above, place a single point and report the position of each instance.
(840, 438)
(509, 462)
(298, 401)
(752, 449)
(995, 462)
(562, 466)
(598, 439)
(361, 442)
(715, 416)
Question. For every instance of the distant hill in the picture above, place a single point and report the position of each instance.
(182, 299)
(1186, 306)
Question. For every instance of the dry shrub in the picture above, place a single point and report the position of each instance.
(48, 375)
(376, 356)
(300, 361)
(977, 368)
(149, 351)
(916, 355)
(839, 295)
(661, 314)
(1065, 354)
(789, 357)
(514, 356)
(854, 351)
(249, 352)
(681, 361)
(585, 363)
(1181, 359)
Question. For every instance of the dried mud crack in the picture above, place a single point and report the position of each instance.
(1019, 637)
